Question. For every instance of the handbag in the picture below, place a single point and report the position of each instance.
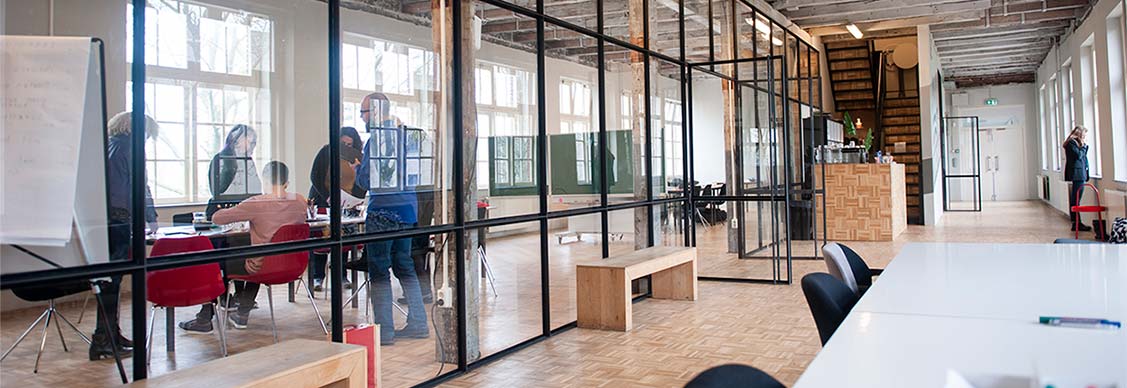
(1118, 231)
(367, 336)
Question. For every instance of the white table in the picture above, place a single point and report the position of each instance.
(973, 309)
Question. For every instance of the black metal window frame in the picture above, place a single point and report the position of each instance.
(139, 264)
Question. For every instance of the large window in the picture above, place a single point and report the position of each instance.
(667, 125)
(403, 73)
(1089, 75)
(1117, 82)
(207, 70)
(1054, 124)
(504, 97)
(575, 118)
(1046, 139)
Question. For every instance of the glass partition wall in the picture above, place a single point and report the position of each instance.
(438, 167)
(753, 97)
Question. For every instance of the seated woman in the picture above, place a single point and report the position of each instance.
(266, 213)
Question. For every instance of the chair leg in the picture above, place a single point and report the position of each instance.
(43, 341)
(149, 339)
(83, 312)
(315, 309)
(75, 328)
(58, 327)
(273, 323)
(221, 320)
(25, 333)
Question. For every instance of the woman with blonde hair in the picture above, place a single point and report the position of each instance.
(1076, 171)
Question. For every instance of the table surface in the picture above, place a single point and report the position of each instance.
(322, 221)
(973, 309)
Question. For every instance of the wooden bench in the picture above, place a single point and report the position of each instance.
(299, 363)
(603, 286)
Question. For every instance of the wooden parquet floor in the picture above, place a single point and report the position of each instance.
(768, 326)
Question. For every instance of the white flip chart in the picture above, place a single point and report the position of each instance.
(43, 91)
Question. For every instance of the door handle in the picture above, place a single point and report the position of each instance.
(996, 169)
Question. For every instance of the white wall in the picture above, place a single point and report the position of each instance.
(1111, 111)
(930, 174)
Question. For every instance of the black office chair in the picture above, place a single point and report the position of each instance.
(841, 259)
(1075, 241)
(734, 376)
(830, 301)
(702, 203)
(49, 293)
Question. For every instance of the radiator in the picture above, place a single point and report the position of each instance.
(1042, 187)
(1116, 202)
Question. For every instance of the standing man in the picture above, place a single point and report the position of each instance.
(391, 206)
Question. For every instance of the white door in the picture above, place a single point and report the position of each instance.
(1003, 156)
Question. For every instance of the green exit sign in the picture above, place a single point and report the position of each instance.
(991, 101)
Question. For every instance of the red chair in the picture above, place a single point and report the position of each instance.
(282, 269)
(1097, 208)
(183, 287)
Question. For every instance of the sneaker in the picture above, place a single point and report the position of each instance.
(413, 332)
(238, 320)
(347, 284)
(1083, 228)
(426, 300)
(196, 326)
(387, 342)
(317, 285)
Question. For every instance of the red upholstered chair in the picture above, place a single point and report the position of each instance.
(186, 286)
(282, 269)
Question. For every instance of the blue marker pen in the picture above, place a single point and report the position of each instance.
(1087, 323)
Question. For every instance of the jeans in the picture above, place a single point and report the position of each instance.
(1074, 197)
(396, 256)
(317, 263)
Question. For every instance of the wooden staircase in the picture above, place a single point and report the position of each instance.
(901, 124)
(851, 76)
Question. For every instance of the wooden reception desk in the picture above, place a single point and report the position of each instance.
(864, 202)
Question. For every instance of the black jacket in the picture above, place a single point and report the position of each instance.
(1075, 162)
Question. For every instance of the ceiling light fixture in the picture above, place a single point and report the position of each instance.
(764, 28)
(853, 30)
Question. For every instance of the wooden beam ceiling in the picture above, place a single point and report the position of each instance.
(973, 38)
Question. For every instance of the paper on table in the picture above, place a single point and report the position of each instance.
(43, 92)
(347, 201)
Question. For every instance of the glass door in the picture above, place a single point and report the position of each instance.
(962, 175)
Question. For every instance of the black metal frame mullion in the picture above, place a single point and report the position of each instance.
(647, 101)
(336, 262)
(604, 190)
(542, 175)
(138, 204)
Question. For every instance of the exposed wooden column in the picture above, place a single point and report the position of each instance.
(636, 25)
(722, 11)
(446, 315)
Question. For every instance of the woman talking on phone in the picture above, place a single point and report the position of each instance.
(1076, 171)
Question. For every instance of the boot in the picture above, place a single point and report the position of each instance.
(100, 348)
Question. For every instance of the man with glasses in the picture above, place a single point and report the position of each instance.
(391, 206)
